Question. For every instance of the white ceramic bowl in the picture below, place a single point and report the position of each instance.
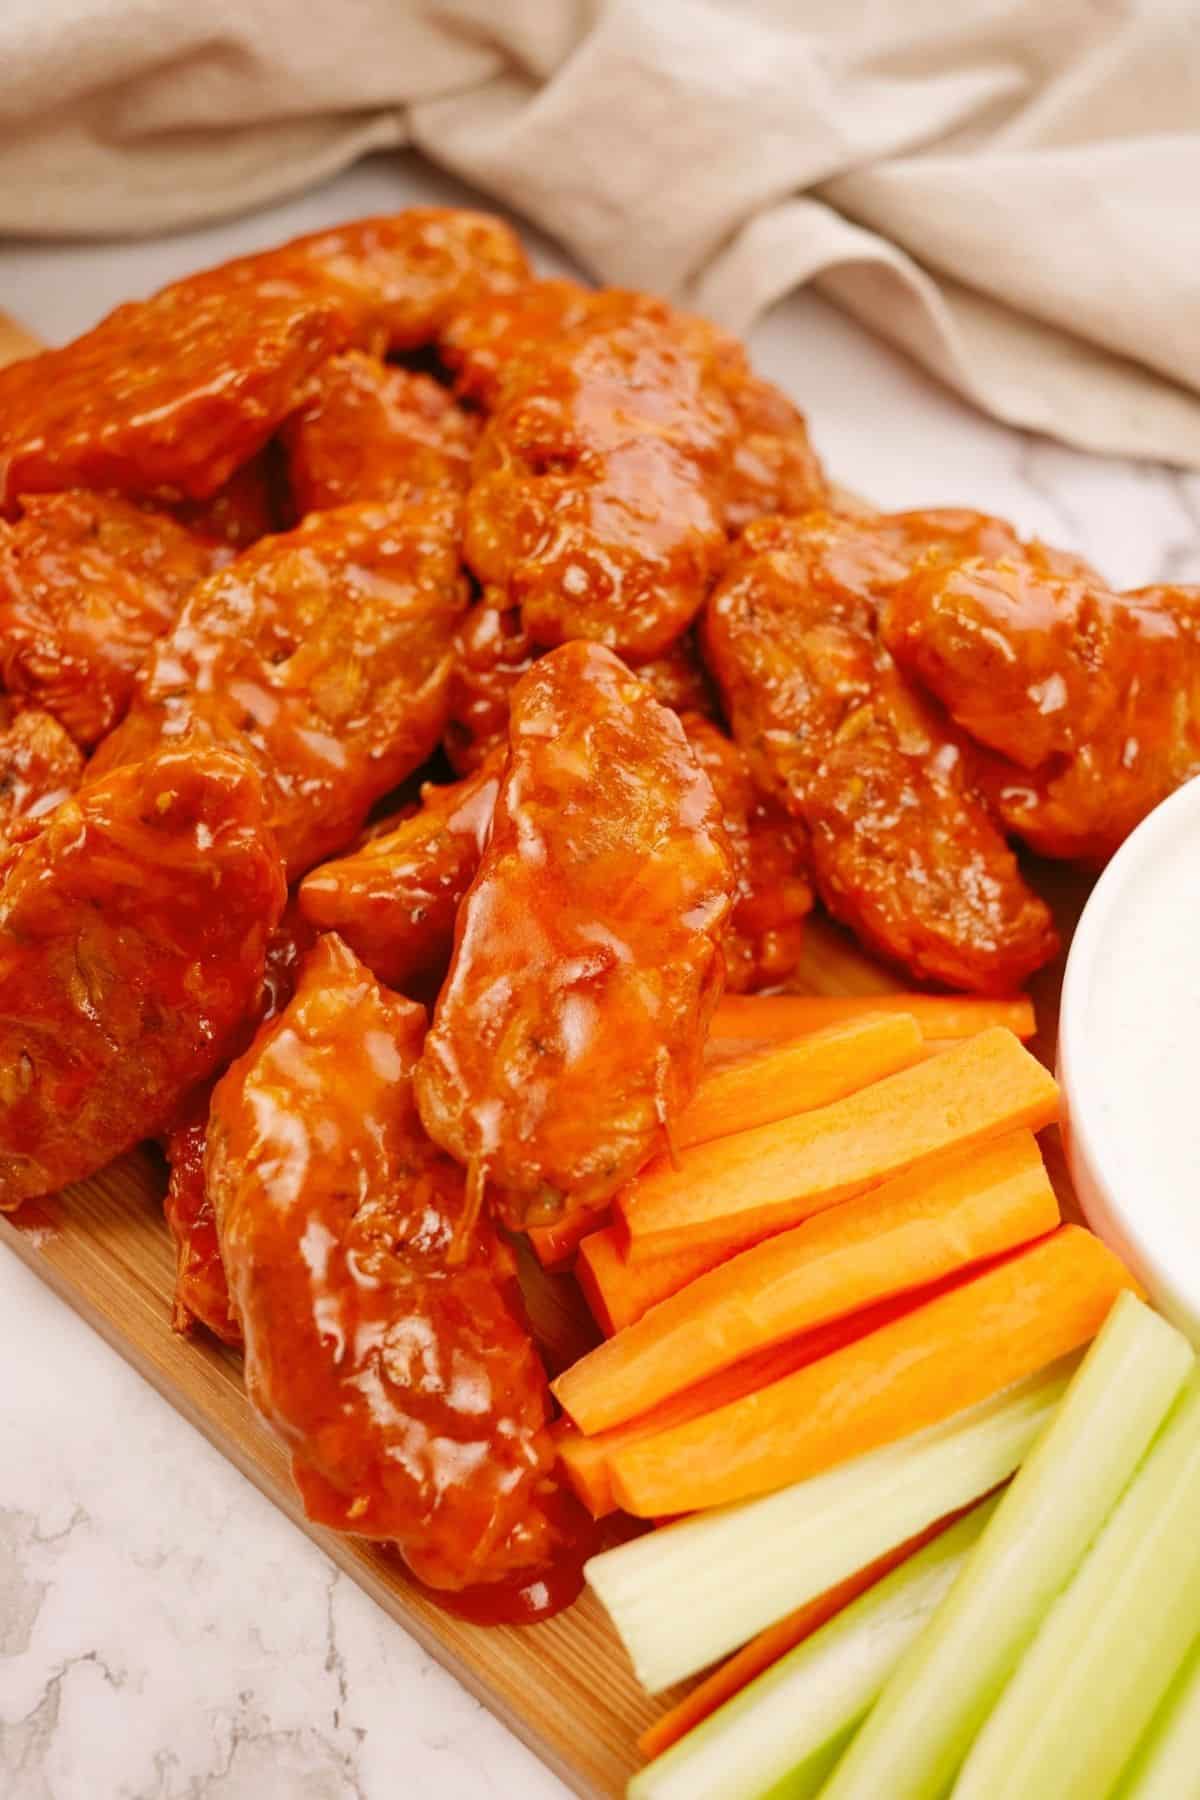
(1129, 1056)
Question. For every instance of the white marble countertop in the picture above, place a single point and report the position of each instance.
(164, 1633)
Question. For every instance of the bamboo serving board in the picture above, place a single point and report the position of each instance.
(565, 1688)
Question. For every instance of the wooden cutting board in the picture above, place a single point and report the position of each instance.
(564, 1688)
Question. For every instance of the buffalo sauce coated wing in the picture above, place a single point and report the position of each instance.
(133, 931)
(1095, 696)
(383, 1337)
(904, 851)
(773, 468)
(395, 899)
(491, 653)
(165, 398)
(39, 766)
(597, 506)
(772, 858)
(87, 583)
(371, 432)
(398, 278)
(587, 956)
(325, 655)
(201, 1290)
(486, 340)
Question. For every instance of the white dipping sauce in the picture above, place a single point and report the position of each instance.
(1130, 1048)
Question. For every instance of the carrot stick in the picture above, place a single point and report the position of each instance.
(556, 1244)
(955, 1350)
(746, 1664)
(910, 1232)
(766, 1084)
(797, 1074)
(739, 1189)
(770, 1016)
(618, 1291)
(586, 1462)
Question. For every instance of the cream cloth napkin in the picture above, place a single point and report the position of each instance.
(1007, 189)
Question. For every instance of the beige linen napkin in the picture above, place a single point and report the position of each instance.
(1007, 189)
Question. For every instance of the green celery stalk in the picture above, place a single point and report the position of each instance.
(1167, 1765)
(683, 1596)
(782, 1733)
(920, 1729)
(1110, 1646)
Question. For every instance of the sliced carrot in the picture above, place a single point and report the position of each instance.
(771, 1016)
(966, 1344)
(907, 1234)
(586, 1461)
(798, 1074)
(619, 1291)
(556, 1244)
(754, 1658)
(739, 1189)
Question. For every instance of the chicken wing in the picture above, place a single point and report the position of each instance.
(773, 467)
(587, 957)
(201, 1289)
(325, 655)
(904, 851)
(395, 899)
(133, 931)
(167, 397)
(389, 1354)
(597, 506)
(368, 431)
(1094, 696)
(491, 653)
(399, 278)
(39, 766)
(771, 857)
(87, 583)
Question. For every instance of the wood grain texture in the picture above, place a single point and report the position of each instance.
(565, 1688)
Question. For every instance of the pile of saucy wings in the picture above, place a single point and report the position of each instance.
(425, 688)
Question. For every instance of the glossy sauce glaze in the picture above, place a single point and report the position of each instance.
(133, 933)
(587, 954)
(496, 344)
(904, 851)
(324, 655)
(39, 766)
(383, 1333)
(597, 506)
(772, 858)
(201, 1290)
(1094, 696)
(87, 583)
(368, 431)
(166, 398)
(395, 899)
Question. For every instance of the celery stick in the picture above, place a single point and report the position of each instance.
(912, 1745)
(681, 1597)
(1167, 1766)
(781, 1734)
(1088, 1685)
